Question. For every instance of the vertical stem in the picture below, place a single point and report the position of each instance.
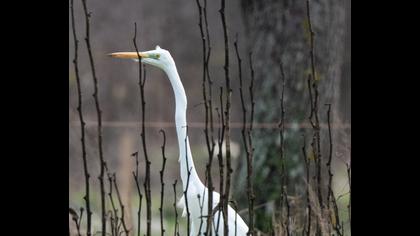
(77, 220)
(162, 190)
(121, 206)
(136, 179)
(113, 222)
(283, 195)
(221, 135)
(82, 124)
(349, 179)
(186, 188)
(176, 231)
(316, 145)
(227, 121)
(308, 179)
(250, 185)
(208, 108)
(246, 136)
(99, 115)
(146, 183)
(330, 174)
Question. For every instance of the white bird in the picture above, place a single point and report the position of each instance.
(162, 59)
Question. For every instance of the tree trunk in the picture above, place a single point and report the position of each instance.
(278, 31)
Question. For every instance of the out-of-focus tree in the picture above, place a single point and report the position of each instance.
(277, 31)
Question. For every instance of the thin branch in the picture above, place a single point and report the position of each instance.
(146, 183)
(200, 204)
(187, 185)
(136, 179)
(77, 220)
(228, 93)
(208, 108)
(328, 164)
(246, 137)
(284, 182)
(162, 190)
(313, 81)
(349, 179)
(176, 231)
(99, 115)
(330, 196)
(221, 135)
(308, 179)
(82, 125)
(121, 205)
(114, 213)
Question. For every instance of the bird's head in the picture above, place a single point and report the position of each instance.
(159, 57)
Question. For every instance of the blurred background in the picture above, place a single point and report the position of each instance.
(274, 31)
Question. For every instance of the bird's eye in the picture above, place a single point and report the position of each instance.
(155, 56)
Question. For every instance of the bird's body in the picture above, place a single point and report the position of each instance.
(196, 192)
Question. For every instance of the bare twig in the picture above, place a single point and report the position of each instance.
(284, 182)
(228, 93)
(146, 183)
(99, 115)
(176, 231)
(330, 174)
(114, 213)
(136, 179)
(246, 137)
(162, 190)
(82, 125)
(308, 179)
(235, 207)
(187, 185)
(250, 185)
(221, 135)
(77, 220)
(121, 206)
(208, 108)
(200, 204)
(330, 196)
(349, 179)
(313, 82)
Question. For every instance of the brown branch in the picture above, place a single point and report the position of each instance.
(99, 115)
(308, 179)
(200, 204)
(136, 179)
(221, 135)
(114, 212)
(228, 93)
(82, 125)
(162, 190)
(328, 164)
(286, 200)
(330, 196)
(121, 205)
(283, 195)
(208, 108)
(209, 81)
(250, 185)
(235, 207)
(187, 185)
(176, 231)
(77, 220)
(316, 144)
(246, 137)
(349, 179)
(143, 138)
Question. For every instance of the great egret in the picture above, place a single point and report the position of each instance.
(162, 59)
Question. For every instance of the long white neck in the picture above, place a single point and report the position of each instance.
(185, 157)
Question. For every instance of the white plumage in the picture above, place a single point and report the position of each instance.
(162, 59)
